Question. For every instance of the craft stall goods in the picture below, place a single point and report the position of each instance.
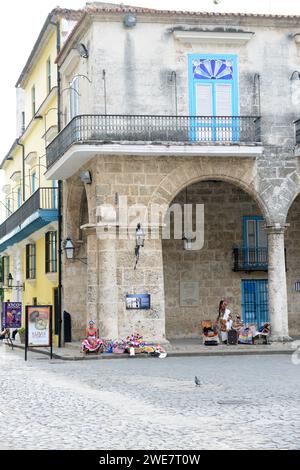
(238, 333)
(210, 334)
(133, 345)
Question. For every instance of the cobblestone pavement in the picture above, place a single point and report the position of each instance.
(250, 402)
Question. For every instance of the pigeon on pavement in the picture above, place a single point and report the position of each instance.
(197, 381)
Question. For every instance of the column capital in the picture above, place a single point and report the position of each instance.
(277, 228)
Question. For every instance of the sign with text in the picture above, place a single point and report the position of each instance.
(138, 301)
(11, 315)
(39, 326)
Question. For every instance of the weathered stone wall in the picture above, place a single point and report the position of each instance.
(224, 208)
(138, 82)
(98, 291)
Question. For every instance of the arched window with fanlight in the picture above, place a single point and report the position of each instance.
(213, 90)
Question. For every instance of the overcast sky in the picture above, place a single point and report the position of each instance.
(22, 22)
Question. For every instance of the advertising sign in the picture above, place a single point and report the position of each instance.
(138, 301)
(11, 315)
(39, 326)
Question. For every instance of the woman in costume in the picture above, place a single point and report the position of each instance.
(92, 342)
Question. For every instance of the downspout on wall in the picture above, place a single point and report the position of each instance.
(56, 24)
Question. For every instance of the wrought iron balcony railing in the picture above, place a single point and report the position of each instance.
(250, 259)
(146, 128)
(42, 199)
(297, 131)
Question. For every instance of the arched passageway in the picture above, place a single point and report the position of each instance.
(232, 263)
(75, 285)
(292, 244)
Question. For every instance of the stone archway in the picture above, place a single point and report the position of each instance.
(76, 214)
(195, 281)
(292, 247)
(239, 172)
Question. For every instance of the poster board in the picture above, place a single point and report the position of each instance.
(38, 327)
(11, 315)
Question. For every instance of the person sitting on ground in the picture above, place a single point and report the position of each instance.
(92, 342)
(237, 324)
(4, 333)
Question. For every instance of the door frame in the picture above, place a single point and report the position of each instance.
(255, 281)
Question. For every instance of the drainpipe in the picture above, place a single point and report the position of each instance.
(59, 201)
(23, 169)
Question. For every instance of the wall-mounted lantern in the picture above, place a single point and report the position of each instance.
(83, 50)
(69, 248)
(188, 240)
(129, 20)
(10, 285)
(86, 177)
(139, 242)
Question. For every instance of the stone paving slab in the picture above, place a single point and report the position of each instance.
(249, 402)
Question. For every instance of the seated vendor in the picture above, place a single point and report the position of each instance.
(92, 342)
(4, 333)
(237, 323)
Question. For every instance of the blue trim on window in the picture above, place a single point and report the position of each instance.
(193, 81)
(247, 218)
(211, 82)
(255, 301)
(252, 256)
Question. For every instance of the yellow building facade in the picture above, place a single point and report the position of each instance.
(29, 232)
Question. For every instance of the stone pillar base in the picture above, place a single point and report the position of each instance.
(280, 339)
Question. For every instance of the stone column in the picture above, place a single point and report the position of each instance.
(147, 278)
(108, 290)
(278, 307)
(92, 298)
(102, 294)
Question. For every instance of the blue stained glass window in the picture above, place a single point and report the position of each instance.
(213, 69)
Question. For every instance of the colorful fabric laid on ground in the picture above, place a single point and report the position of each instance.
(91, 344)
(246, 336)
(136, 341)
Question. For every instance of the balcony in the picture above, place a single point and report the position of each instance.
(145, 134)
(250, 259)
(39, 210)
(297, 131)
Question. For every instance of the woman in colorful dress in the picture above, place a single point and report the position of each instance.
(92, 342)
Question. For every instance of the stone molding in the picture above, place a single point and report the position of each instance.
(212, 37)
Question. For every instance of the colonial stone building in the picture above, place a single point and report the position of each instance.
(182, 107)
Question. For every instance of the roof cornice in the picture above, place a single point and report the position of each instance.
(45, 32)
(91, 12)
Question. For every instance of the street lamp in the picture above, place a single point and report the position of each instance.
(69, 248)
(187, 242)
(9, 280)
(10, 284)
(139, 242)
